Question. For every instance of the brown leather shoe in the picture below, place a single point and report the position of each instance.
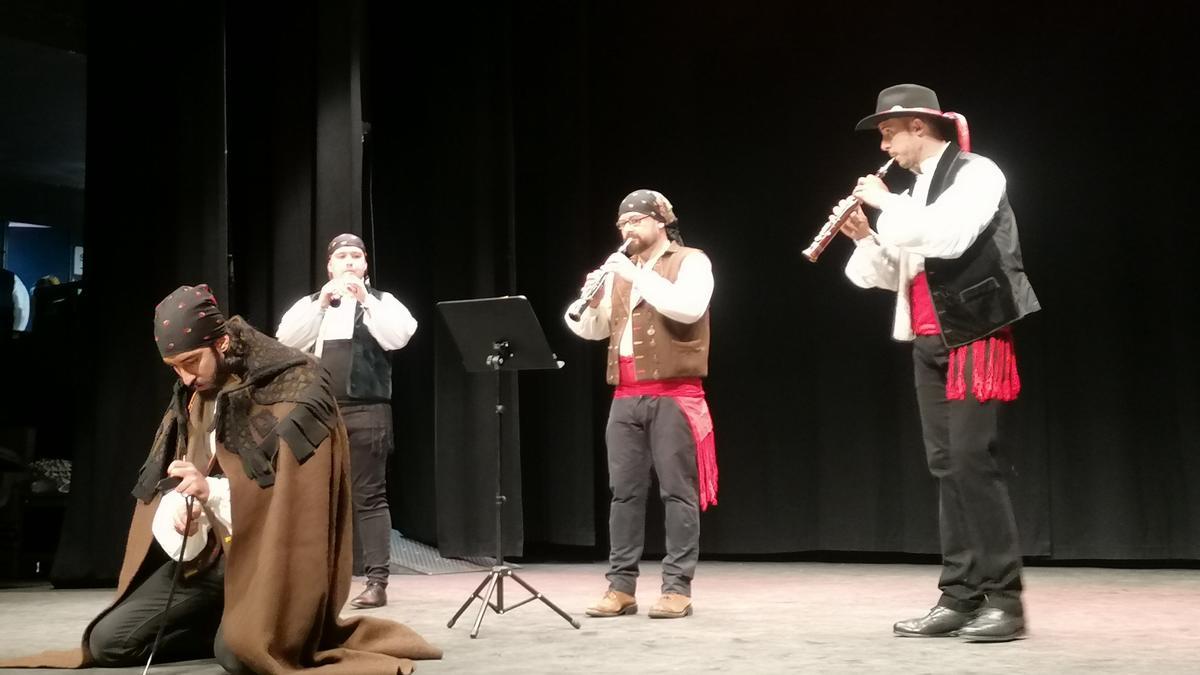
(671, 606)
(614, 603)
(374, 595)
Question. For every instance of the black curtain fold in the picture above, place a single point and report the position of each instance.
(443, 204)
(295, 148)
(154, 221)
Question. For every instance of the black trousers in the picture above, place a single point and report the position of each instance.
(644, 433)
(981, 560)
(369, 426)
(125, 635)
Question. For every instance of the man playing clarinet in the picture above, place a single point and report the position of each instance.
(949, 251)
(652, 308)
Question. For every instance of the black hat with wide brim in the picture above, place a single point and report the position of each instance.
(913, 100)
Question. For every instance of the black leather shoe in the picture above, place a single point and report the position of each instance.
(994, 625)
(939, 622)
(374, 595)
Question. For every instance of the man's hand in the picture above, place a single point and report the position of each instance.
(621, 266)
(181, 518)
(855, 226)
(332, 288)
(355, 287)
(871, 191)
(192, 481)
(593, 277)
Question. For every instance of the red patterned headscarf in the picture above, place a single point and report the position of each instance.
(187, 319)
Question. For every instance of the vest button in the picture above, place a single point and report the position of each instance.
(656, 374)
(650, 330)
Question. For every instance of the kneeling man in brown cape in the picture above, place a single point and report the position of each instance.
(254, 437)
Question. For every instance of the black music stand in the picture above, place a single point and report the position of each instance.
(499, 334)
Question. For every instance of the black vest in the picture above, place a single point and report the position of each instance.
(984, 289)
(370, 366)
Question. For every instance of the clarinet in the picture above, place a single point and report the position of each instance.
(831, 228)
(576, 309)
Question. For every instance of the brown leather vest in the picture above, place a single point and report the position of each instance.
(662, 348)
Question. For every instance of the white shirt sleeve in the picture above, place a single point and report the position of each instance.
(593, 322)
(20, 300)
(947, 227)
(873, 265)
(301, 324)
(389, 321)
(687, 299)
(163, 528)
(219, 504)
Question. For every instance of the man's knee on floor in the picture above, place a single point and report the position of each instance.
(226, 658)
(110, 649)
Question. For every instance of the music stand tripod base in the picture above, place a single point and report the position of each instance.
(495, 585)
(495, 334)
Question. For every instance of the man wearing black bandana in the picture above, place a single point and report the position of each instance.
(252, 430)
(351, 328)
(191, 335)
(653, 310)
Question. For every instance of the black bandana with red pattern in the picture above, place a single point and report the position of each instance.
(346, 239)
(187, 319)
(648, 203)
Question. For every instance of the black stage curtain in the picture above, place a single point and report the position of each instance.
(154, 220)
(743, 116)
(295, 148)
(441, 180)
(500, 140)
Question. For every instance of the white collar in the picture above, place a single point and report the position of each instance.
(929, 164)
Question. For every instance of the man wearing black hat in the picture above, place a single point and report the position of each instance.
(949, 251)
(653, 310)
(351, 328)
(253, 430)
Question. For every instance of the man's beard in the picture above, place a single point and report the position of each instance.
(225, 368)
(636, 246)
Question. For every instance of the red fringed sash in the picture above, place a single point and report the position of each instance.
(688, 393)
(993, 369)
(993, 359)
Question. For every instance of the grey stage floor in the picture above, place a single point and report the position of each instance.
(750, 618)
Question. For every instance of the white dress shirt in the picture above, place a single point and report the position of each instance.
(172, 502)
(684, 301)
(307, 325)
(20, 301)
(911, 231)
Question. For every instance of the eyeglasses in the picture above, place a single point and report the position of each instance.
(634, 220)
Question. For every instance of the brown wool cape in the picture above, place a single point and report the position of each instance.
(288, 563)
